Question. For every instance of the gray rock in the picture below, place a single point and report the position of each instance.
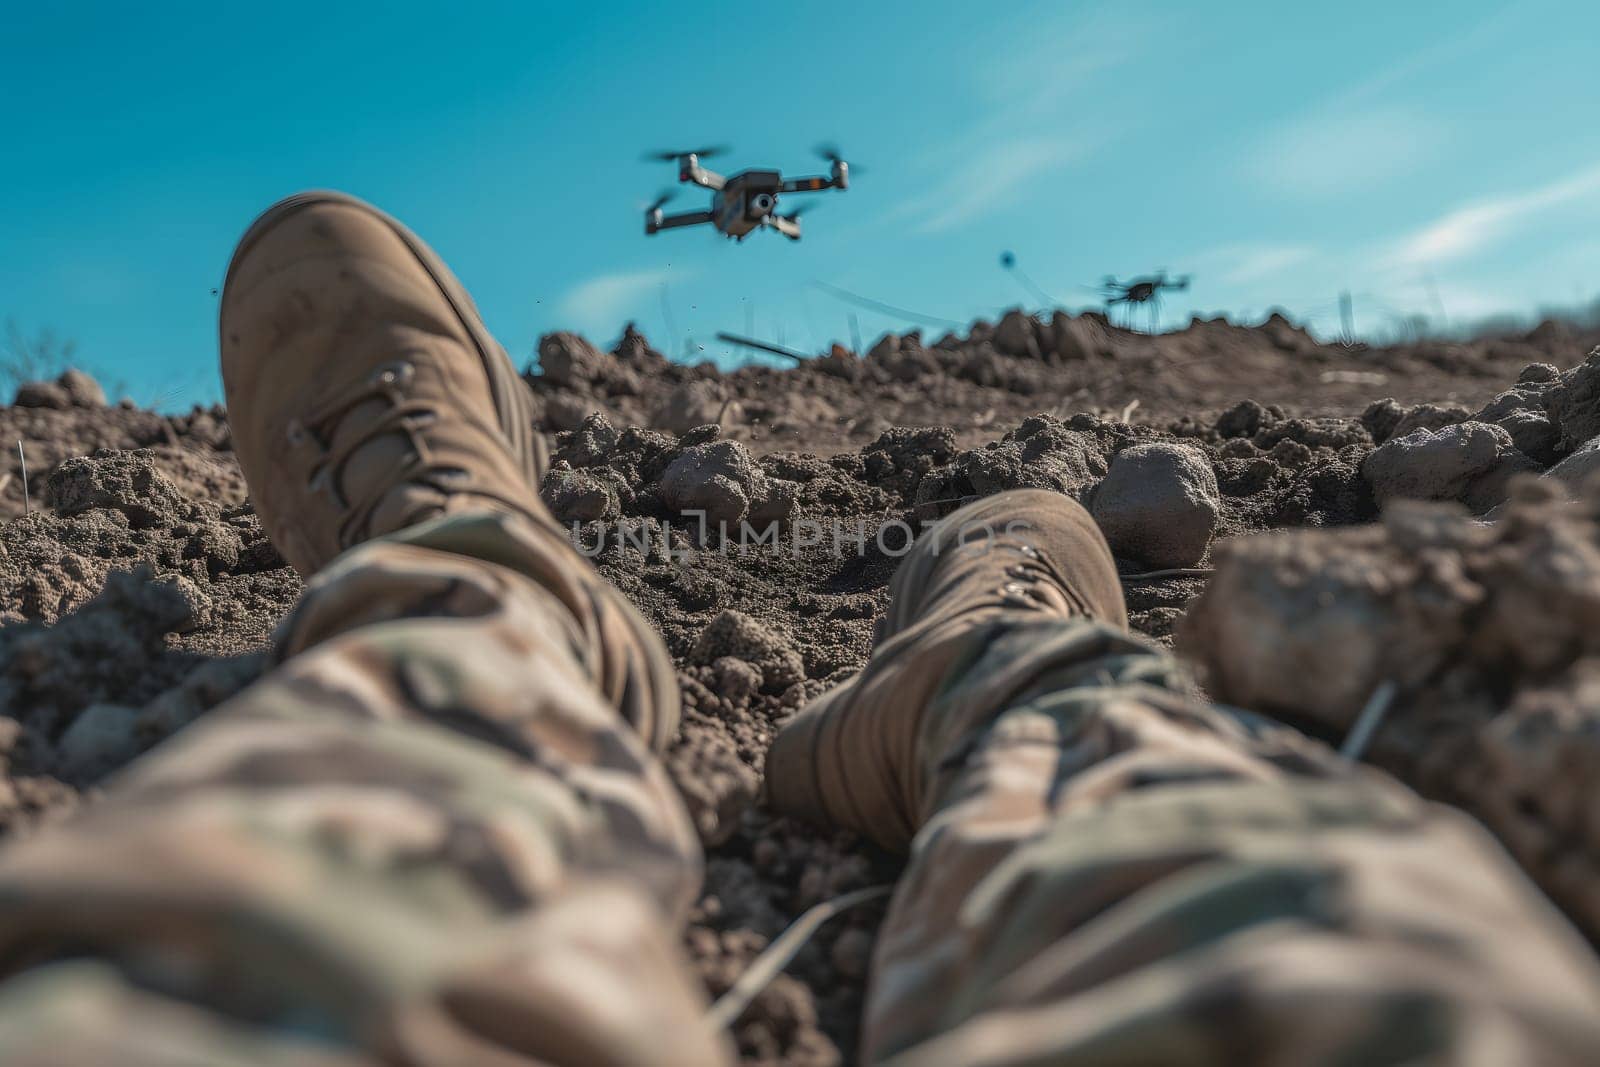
(100, 739)
(1468, 462)
(82, 390)
(1429, 417)
(1577, 468)
(1041, 453)
(126, 481)
(570, 361)
(42, 395)
(579, 496)
(1159, 504)
(1072, 339)
(1574, 402)
(1520, 412)
(764, 647)
(1017, 334)
(720, 478)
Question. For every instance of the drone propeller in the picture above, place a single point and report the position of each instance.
(661, 200)
(829, 151)
(668, 155)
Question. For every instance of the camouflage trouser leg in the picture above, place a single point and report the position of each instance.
(1110, 872)
(427, 837)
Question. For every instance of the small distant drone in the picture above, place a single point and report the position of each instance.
(744, 202)
(1146, 290)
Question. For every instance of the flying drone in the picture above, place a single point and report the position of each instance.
(744, 202)
(1146, 290)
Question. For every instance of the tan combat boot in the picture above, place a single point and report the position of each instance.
(364, 392)
(366, 396)
(854, 757)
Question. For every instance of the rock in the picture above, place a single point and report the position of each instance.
(1573, 402)
(884, 347)
(1041, 453)
(1429, 417)
(196, 603)
(579, 496)
(99, 740)
(1159, 504)
(129, 482)
(1381, 417)
(738, 682)
(570, 361)
(1533, 433)
(696, 403)
(1577, 468)
(1520, 412)
(633, 350)
(42, 395)
(82, 390)
(1244, 419)
(1309, 622)
(737, 635)
(1017, 334)
(1469, 462)
(1538, 373)
(715, 786)
(1073, 339)
(720, 478)
(840, 362)
(1489, 634)
(593, 442)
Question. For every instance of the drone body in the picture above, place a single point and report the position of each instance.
(1146, 290)
(744, 202)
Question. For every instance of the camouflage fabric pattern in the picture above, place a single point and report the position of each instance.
(1111, 871)
(426, 837)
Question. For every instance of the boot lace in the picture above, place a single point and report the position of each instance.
(404, 416)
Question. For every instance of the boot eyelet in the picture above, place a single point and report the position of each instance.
(398, 373)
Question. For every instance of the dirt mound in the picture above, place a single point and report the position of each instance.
(759, 541)
(1491, 634)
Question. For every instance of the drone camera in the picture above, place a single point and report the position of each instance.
(763, 202)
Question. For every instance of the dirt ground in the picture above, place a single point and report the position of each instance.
(138, 591)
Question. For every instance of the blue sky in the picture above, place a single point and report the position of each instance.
(1424, 158)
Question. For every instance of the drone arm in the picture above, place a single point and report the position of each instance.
(654, 223)
(808, 185)
(692, 171)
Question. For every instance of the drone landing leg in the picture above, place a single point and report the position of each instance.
(789, 227)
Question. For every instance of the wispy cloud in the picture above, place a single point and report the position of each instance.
(1352, 139)
(1478, 225)
(1241, 264)
(1487, 33)
(602, 303)
(1051, 58)
(1325, 153)
(986, 182)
